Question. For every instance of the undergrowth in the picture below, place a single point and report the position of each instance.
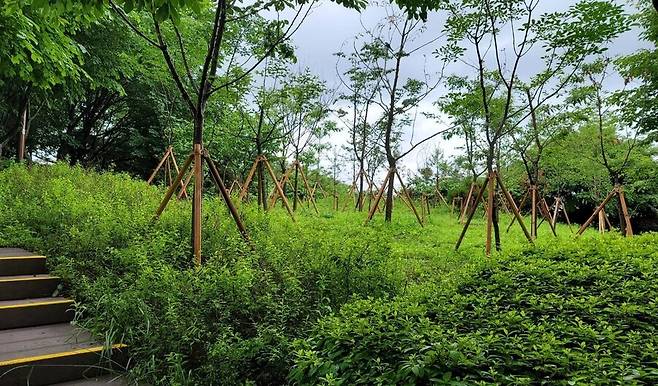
(325, 296)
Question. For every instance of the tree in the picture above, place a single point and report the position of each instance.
(306, 107)
(217, 72)
(45, 55)
(389, 43)
(640, 72)
(600, 111)
(363, 84)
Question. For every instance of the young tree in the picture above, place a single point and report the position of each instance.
(307, 104)
(601, 111)
(389, 44)
(230, 39)
(363, 84)
(45, 55)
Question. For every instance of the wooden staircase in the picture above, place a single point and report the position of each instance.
(38, 344)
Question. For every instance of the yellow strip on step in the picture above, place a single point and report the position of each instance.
(21, 361)
(23, 257)
(68, 301)
(29, 279)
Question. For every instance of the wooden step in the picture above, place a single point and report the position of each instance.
(112, 380)
(35, 312)
(27, 286)
(44, 355)
(22, 265)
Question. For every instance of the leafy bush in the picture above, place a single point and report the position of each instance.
(582, 312)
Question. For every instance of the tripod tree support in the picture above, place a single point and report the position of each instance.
(618, 191)
(169, 158)
(406, 194)
(196, 161)
(278, 190)
(275, 192)
(378, 198)
(392, 173)
(261, 159)
(467, 203)
(309, 191)
(490, 183)
(537, 204)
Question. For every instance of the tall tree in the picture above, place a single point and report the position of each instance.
(45, 55)
(362, 84)
(388, 45)
(223, 47)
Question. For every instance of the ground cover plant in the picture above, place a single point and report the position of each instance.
(322, 299)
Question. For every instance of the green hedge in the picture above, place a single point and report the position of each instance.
(580, 313)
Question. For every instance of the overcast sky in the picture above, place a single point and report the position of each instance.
(331, 28)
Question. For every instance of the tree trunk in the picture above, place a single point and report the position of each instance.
(295, 186)
(22, 134)
(389, 196)
(359, 202)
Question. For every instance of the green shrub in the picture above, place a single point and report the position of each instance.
(583, 312)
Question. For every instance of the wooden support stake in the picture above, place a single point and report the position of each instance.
(546, 213)
(165, 157)
(279, 189)
(217, 179)
(250, 176)
(515, 209)
(523, 200)
(467, 203)
(471, 214)
(173, 187)
(183, 189)
(490, 207)
(555, 210)
(308, 189)
(596, 212)
(406, 193)
(378, 198)
(533, 211)
(624, 210)
(173, 159)
(197, 202)
(284, 179)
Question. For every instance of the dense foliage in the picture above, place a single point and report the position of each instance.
(327, 297)
(577, 313)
